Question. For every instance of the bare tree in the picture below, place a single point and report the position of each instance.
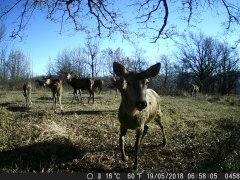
(200, 55)
(18, 65)
(227, 69)
(139, 61)
(109, 17)
(3, 54)
(166, 70)
(92, 51)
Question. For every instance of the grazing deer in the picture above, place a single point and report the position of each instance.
(139, 105)
(27, 88)
(98, 84)
(82, 84)
(56, 87)
(195, 90)
(115, 84)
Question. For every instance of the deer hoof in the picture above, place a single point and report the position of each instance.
(125, 158)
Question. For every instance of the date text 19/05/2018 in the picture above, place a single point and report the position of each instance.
(167, 176)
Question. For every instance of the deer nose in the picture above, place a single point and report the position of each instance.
(141, 105)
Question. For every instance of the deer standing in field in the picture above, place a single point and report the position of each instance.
(40, 83)
(98, 84)
(195, 90)
(139, 105)
(57, 88)
(82, 84)
(27, 91)
(115, 84)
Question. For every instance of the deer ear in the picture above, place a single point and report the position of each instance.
(119, 69)
(152, 71)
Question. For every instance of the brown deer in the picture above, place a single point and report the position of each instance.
(40, 83)
(139, 105)
(115, 84)
(195, 90)
(98, 84)
(27, 88)
(57, 88)
(82, 84)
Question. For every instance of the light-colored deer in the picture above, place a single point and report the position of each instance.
(57, 88)
(195, 90)
(27, 91)
(139, 105)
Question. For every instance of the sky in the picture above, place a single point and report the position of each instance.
(42, 40)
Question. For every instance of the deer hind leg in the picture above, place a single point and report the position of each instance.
(91, 92)
(26, 98)
(123, 132)
(60, 102)
(54, 102)
(30, 99)
(158, 119)
(74, 95)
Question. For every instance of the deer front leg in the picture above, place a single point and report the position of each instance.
(139, 136)
(123, 132)
(144, 133)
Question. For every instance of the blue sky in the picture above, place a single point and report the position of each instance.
(42, 40)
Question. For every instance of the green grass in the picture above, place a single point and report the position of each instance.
(202, 135)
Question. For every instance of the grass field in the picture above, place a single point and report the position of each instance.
(202, 135)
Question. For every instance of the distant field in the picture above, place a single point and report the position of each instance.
(202, 135)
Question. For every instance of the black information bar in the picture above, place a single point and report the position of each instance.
(125, 176)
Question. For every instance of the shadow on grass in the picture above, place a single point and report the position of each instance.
(89, 112)
(39, 156)
(216, 161)
(45, 98)
(14, 107)
(58, 155)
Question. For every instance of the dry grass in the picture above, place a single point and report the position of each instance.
(202, 135)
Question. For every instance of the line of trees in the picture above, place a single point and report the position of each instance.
(199, 59)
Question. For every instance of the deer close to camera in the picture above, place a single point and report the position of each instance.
(57, 88)
(195, 90)
(81, 84)
(27, 93)
(138, 106)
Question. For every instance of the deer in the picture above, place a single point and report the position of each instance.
(82, 84)
(195, 90)
(40, 83)
(57, 88)
(139, 105)
(27, 88)
(115, 84)
(98, 84)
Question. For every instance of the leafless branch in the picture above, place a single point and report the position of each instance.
(164, 22)
(10, 9)
(230, 10)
